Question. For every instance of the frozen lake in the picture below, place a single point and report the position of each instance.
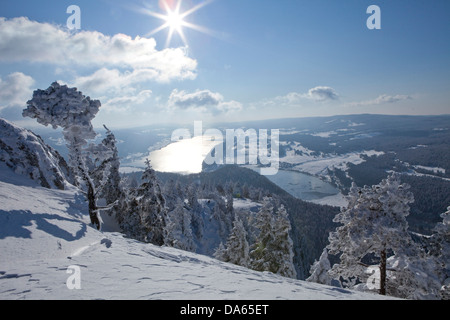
(186, 157)
(302, 186)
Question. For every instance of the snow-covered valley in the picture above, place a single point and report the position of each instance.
(45, 234)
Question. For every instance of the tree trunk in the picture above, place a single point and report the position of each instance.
(383, 273)
(93, 213)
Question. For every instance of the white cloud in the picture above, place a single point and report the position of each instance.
(104, 80)
(322, 94)
(295, 99)
(383, 99)
(25, 40)
(199, 98)
(205, 100)
(123, 103)
(391, 99)
(228, 107)
(15, 90)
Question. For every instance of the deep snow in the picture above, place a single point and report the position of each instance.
(43, 232)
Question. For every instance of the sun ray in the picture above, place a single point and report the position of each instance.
(160, 28)
(196, 8)
(169, 37)
(199, 28)
(183, 37)
(151, 13)
(174, 20)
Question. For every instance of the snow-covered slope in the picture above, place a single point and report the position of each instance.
(44, 232)
(27, 154)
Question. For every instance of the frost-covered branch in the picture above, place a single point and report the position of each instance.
(108, 207)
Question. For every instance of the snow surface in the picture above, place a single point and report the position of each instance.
(337, 200)
(432, 169)
(43, 232)
(27, 154)
(306, 160)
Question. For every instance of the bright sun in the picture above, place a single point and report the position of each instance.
(174, 19)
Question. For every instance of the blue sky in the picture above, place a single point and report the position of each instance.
(253, 59)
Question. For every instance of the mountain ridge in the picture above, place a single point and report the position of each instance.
(26, 153)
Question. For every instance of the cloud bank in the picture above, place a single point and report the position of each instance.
(117, 69)
(25, 40)
(383, 99)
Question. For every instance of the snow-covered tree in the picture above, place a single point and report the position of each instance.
(237, 247)
(170, 195)
(179, 230)
(128, 216)
(221, 253)
(223, 213)
(320, 268)
(111, 189)
(440, 249)
(69, 109)
(261, 259)
(151, 207)
(283, 245)
(195, 207)
(141, 211)
(413, 276)
(230, 209)
(273, 248)
(373, 227)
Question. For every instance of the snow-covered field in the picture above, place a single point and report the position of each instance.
(305, 160)
(48, 247)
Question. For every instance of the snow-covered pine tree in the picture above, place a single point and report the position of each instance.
(151, 206)
(373, 225)
(224, 213)
(128, 215)
(273, 249)
(192, 197)
(179, 230)
(111, 189)
(221, 253)
(260, 255)
(319, 270)
(440, 249)
(60, 106)
(443, 232)
(170, 195)
(142, 214)
(413, 276)
(237, 247)
(283, 246)
(230, 208)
